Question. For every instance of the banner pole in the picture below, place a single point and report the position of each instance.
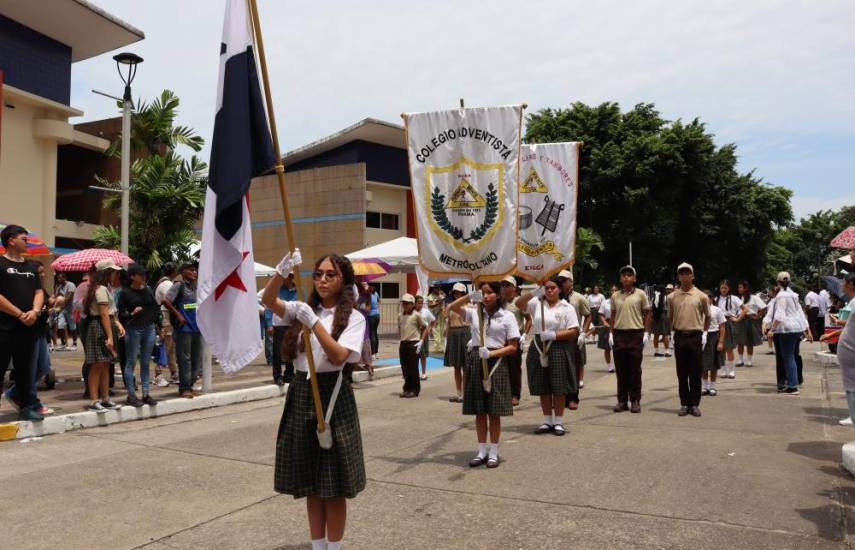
(280, 175)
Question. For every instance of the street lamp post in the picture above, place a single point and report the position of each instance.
(131, 61)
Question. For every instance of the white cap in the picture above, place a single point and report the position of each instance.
(685, 265)
(459, 287)
(409, 298)
(669, 286)
(510, 280)
(106, 264)
(565, 274)
(627, 268)
(783, 276)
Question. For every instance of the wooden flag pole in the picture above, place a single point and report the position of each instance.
(289, 228)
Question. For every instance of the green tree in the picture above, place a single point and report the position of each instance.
(587, 241)
(808, 244)
(167, 193)
(669, 189)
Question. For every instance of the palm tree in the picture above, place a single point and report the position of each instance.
(153, 131)
(587, 240)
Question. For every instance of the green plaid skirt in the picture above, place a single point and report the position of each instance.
(713, 359)
(748, 332)
(94, 350)
(476, 400)
(455, 347)
(730, 337)
(559, 378)
(302, 468)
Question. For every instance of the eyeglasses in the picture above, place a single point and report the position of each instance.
(328, 275)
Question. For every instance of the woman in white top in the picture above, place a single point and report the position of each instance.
(303, 469)
(595, 304)
(550, 359)
(786, 319)
(749, 330)
(501, 335)
(714, 348)
(734, 311)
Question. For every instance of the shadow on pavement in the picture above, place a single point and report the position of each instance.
(818, 450)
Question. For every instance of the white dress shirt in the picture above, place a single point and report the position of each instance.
(351, 338)
(730, 305)
(561, 316)
(716, 318)
(500, 328)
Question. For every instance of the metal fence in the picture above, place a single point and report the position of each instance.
(389, 319)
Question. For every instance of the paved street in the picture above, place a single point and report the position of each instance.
(758, 470)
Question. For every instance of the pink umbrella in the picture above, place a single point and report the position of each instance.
(82, 260)
(846, 239)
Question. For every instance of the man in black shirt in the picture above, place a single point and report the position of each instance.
(138, 311)
(20, 302)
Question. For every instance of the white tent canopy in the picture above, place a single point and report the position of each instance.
(402, 254)
(261, 270)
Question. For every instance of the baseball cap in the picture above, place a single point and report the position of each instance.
(685, 265)
(459, 287)
(783, 276)
(565, 274)
(106, 264)
(627, 269)
(669, 286)
(137, 269)
(510, 280)
(409, 298)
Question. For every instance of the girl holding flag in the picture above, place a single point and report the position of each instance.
(325, 476)
(551, 372)
(488, 399)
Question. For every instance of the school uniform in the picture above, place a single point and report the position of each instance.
(714, 359)
(551, 365)
(428, 318)
(730, 306)
(302, 467)
(455, 343)
(515, 360)
(689, 310)
(749, 331)
(580, 355)
(603, 330)
(499, 329)
(595, 304)
(661, 323)
(410, 328)
(628, 311)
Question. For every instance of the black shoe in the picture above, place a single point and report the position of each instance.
(705, 391)
(781, 389)
(620, 407)
(278, 380)
(543, 429)
(288, 378)
(695, 411)
(683, 411)
(791, 391)
(740, 364)
(134, 401)
(558, 429)
(149, 400)
(635, 407)
(657, 354)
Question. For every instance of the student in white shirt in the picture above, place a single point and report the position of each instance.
(786, 320)
(430, 320)
(501, 337)
(714, 349)
(734, 311)
(595, 304)
(326, 477)
(605, 314)
(749, 329)
(551, 355)
(812, 308)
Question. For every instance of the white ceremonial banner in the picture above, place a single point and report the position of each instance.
(464, 169)
(549, 186)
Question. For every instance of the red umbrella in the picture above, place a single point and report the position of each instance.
(82, 260)
(35, 246)
(846, 239)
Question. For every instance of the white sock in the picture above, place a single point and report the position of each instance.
(730, 367)
(559, 419)
(750, 359)
(741, 360)
(482, 450)
(547, 419)
(705, 384)
(494, 450)
(712, 385)
(334, 545)
(319, 544)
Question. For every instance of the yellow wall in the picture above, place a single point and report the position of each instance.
(386, 199)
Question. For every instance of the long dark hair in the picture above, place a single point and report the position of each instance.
(746, 291)
(102, 278)
(291, 342)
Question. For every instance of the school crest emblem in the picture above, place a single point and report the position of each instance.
(465, 201)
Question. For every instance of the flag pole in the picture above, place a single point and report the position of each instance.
(289, 228)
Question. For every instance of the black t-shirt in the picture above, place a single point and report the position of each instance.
(130, 299)
(19, 282)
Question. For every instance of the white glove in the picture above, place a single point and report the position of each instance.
(306, 315)
(580, 341)
(523, 346)
(672, 335)
(704, 339)
(645, 339)
(476, 296)
(539, 292)
(611, 340)
(484, 353)
(289, 262)
(419, 345)
(547, 335)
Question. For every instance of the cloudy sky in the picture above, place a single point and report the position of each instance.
(777, 78)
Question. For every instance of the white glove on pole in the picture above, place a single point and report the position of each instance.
(419, 346)
(704, 339)
(580, 341)
(645, 339)
(305, 315)
(289, 262)
(484, 353)
(476, 296)
(611, 340)
(523, 346)
(547, 335)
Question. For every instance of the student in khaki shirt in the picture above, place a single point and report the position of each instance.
(413, 332)
(689, 316)
(583, 313)
(629, 334)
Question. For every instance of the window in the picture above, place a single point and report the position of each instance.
(389, 291)
(372, 219)
(390, 221)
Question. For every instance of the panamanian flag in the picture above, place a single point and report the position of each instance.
(241, 148)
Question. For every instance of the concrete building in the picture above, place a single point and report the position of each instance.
(346, 191)
(39, 42)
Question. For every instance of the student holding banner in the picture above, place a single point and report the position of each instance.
(550, 357)
(488, 399)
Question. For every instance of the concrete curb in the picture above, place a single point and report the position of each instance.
(87, 419)
(849, 457)
(827, 358)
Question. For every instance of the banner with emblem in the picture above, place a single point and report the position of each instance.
(464, 168)
(549, 185)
